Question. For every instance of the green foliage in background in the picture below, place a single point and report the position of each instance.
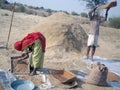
(22, 8)
(40, 11)
(92, 3)
(114, 22)
(74, 13)
(83, 14)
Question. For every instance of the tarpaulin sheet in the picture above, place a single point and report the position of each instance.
(6, 78)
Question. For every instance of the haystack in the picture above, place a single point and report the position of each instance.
(63, 34)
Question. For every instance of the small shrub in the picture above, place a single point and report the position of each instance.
(30, 12)
(49, 10)
(74, 13)
(22, 8)
(42, 8)
(114, 22)
(6, 14)
(84, 14)
(66, 12)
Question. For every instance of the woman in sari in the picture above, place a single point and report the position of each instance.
(35, 44)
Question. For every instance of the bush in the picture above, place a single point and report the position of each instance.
(74, 13)
(114, 22)
(84, 14)
(30, 12)
(22, 8)
(5, 14)
(66, 12)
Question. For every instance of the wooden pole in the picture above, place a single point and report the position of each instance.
(10, 26)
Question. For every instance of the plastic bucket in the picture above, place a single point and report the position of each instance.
(22, 85)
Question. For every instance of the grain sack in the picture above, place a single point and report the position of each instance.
(98, 74)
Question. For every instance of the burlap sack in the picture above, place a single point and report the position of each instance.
(98, 74)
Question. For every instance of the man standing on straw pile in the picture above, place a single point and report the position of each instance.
(95, 21)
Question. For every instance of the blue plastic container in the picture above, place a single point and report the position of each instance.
(22, 85)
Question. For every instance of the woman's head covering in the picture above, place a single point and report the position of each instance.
(29, 40)
(18, 45)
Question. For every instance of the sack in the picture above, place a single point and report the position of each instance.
(98, 74)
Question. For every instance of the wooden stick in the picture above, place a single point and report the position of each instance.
(10, 26)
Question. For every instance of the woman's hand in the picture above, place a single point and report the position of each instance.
(24, 54)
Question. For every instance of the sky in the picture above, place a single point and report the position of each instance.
(77, 6)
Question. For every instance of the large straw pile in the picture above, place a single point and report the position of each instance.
(63, 34)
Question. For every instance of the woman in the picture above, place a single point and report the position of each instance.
(35, 44)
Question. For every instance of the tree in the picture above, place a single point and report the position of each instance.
(92, 3)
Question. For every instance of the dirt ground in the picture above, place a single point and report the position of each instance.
(22, 25)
